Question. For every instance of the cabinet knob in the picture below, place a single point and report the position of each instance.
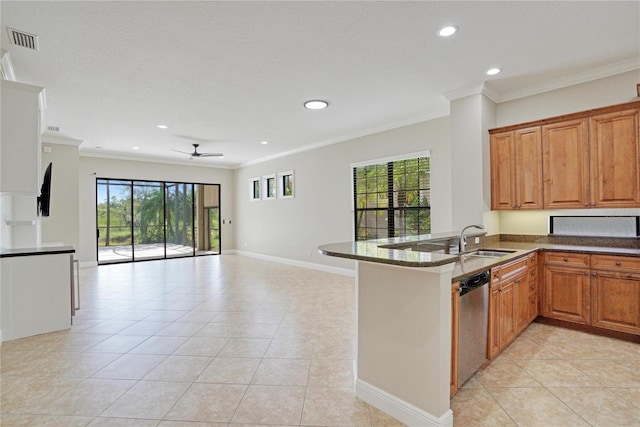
(586, 273)
(594, 274)
(565, 259)
(618, 263)
(586, 203)
(593, 204)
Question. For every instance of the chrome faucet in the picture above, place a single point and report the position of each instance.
(463, 239)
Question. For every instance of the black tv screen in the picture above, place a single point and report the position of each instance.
(44, 200)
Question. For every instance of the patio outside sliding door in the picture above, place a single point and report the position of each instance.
(113, 216)
(148, 220)
(179, 219)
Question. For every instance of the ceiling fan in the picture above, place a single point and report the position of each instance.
(198, 154)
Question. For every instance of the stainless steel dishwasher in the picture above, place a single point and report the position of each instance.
(474, 313)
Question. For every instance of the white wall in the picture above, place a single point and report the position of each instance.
(61, 226)
(321, 211)
(93, 167)
(471, 117)
(598, 93)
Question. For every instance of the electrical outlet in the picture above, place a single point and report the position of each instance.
(477, 240)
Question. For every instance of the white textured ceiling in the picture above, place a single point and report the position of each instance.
(231, 74)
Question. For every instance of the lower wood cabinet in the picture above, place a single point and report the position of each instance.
(513, 287)
(567, 294)
(597, 290)
(615, 301)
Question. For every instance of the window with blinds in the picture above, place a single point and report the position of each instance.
(392, 199)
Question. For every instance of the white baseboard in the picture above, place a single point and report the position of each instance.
(88, 264)
(296, 263)
(399, 409)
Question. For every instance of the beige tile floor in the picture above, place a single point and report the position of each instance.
(555, 377)
(234, 341)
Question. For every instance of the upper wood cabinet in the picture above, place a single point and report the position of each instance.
(516, 169)
(589, 159)
(566, 164)
(614, 153)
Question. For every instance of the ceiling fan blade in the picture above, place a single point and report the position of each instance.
(183, 152)
(211, 155)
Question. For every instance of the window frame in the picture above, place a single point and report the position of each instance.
(265, 187)
(376, 162)
(252, 195)
(281, 186)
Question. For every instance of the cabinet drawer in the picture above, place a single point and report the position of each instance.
(506, 271)
(566, 259)
(615, 263)
(532, 287)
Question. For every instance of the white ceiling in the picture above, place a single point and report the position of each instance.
(232, 74)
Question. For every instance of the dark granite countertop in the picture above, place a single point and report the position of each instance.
(44, 250)
(406, 251)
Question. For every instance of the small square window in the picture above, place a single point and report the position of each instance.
(254, 188)
(285, 185)
(269, 187)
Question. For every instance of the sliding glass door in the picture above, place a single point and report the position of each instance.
(145, 220)
(208, 219)
(148, 220)
(179, 219)
(115, 243)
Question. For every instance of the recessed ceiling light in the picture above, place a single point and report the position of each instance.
(264, 142)
(493, 71)
(316, 104)
(162, 126)
(135, 148)
(447, 31)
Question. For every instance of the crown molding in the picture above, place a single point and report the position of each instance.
(48, 138)
(576, 79)
(488, 89)
(151, 159)
(485, 89)
(432, 115)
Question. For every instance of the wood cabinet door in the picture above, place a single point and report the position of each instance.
(528, 168)
(503, 184)
(565, 164)
(566, 294)
(507, 313)
(493, 341)
(614, 152)
(616, 301)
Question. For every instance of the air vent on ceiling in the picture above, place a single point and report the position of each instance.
(21, 38)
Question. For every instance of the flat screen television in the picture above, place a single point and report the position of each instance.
(44, 200)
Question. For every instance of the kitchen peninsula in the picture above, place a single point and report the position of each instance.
(405, 315)
(404, 326)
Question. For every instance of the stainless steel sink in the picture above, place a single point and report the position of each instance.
(488, 253)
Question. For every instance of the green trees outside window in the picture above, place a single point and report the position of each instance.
(392, 199)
